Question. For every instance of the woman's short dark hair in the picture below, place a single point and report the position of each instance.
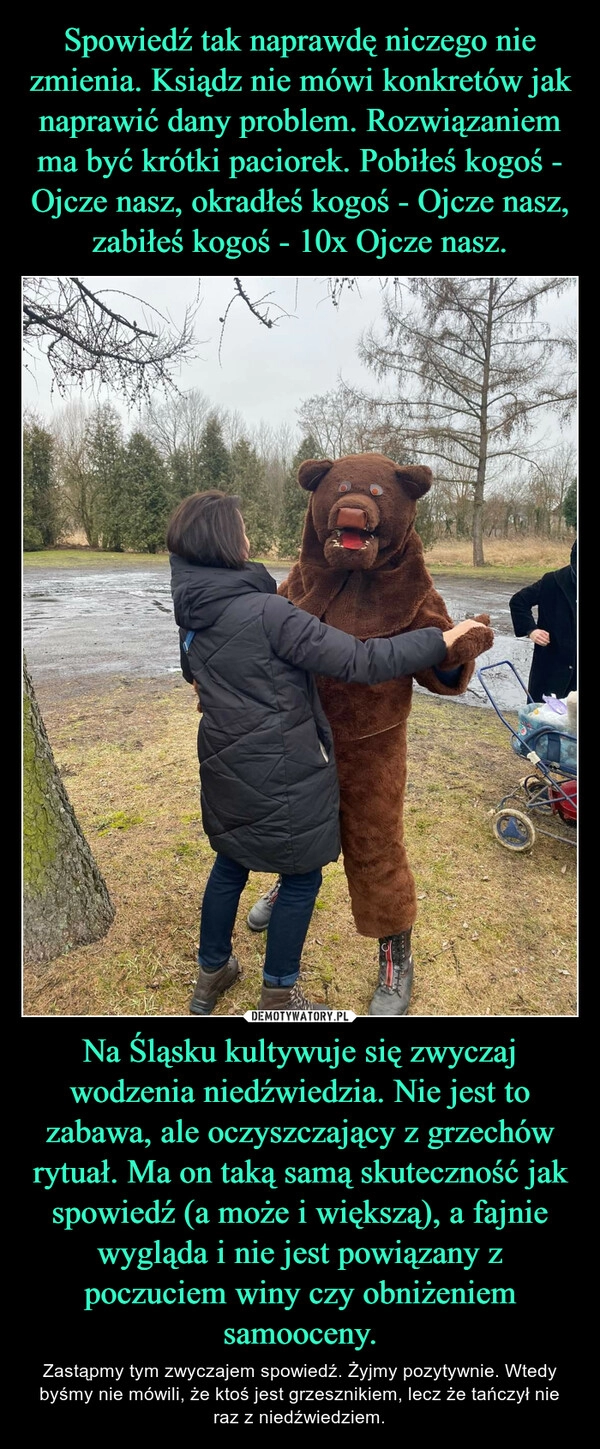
(207, 528)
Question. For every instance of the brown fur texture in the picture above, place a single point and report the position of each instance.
(361, 569)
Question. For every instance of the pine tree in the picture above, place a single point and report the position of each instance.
(146, 491)
(248, 482)
(106, 463)
(40, 491)
(184, 474)
(214, 459)
(570, 505)
(425, 521)
(294, 502)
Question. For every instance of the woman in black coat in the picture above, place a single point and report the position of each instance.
(554, 664)
(269, 789)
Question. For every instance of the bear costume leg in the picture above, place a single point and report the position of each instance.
(372, 775)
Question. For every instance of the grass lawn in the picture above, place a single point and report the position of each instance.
(89, 558)
(495, 934)
(507, 560)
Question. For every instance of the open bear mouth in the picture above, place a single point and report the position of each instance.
(351, 538)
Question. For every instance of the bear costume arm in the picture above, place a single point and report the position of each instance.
(459, 663)
(463, 654)
(306, 643)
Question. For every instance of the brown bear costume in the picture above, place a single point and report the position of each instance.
(361, 569)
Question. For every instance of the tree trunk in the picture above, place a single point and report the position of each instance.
(66, 902)
(478, 558)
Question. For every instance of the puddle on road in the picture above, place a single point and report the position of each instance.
(67, 614)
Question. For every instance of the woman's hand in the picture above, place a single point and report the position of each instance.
(466, 640)
(198, 706)
(465, 627)
(540, 636)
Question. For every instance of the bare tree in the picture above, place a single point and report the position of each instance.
(264, 309)
(273, 443)
(234, 426)
(275, 447)
(176, 425)
(66, 902)
(70, 428)
(545, 487)
(88, 342)
(473, 365)
(505, 505)
(342, 422)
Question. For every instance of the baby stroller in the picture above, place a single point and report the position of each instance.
(549, 791)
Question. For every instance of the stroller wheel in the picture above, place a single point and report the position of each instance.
(513, 829)
(531, 783)
(536, 789)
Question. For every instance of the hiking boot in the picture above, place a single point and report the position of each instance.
(211, 985)
(285, 998)
(396, 966)
(258, 918)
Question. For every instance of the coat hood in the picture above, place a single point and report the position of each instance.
(567, 582)
(200, 593)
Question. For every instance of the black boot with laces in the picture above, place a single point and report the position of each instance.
(396, 966)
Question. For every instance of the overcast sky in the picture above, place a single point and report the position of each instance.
(263, 373)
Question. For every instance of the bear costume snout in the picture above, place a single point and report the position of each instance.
(350, 540)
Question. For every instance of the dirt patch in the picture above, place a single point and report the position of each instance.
(495, 934)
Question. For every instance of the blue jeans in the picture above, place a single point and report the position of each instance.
(288, 926)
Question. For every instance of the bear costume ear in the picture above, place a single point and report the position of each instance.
(415, 480)
(311, 472)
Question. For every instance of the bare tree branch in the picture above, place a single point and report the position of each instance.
(263, 317)
(87, 342)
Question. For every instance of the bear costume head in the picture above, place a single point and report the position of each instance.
(361, 568)
(362, 509)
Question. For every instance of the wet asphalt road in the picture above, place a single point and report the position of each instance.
(82, 622)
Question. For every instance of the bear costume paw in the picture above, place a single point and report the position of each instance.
(478, 640)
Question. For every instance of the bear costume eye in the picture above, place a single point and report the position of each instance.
(375, 490)
(344, 488)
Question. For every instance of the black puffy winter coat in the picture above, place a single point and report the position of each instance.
(554, 665)
(268, 779)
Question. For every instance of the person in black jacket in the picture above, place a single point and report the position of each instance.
(269, 789)
(554, 664)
